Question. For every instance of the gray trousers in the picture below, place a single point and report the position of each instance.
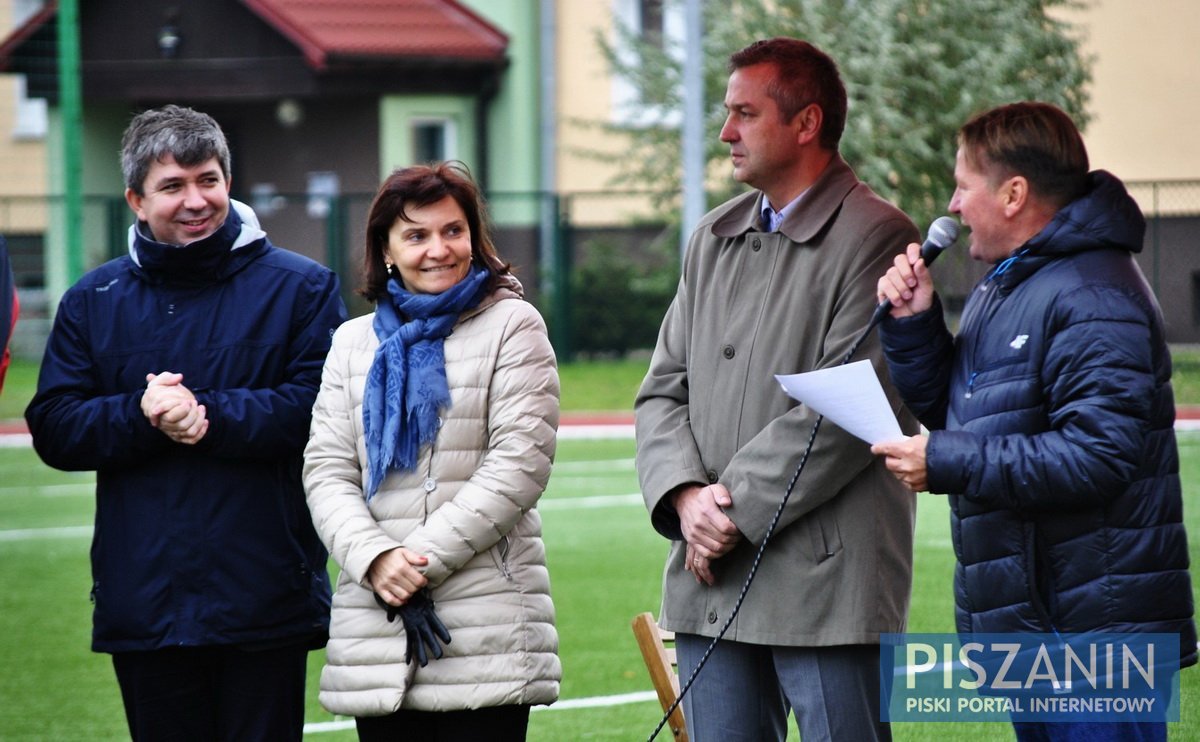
(744, 691)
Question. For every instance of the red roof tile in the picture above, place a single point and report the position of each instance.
(441, 29)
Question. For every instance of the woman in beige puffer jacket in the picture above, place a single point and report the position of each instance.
(463, 516)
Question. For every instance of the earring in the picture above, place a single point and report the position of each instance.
(391, 270)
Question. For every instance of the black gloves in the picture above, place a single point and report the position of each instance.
(422, 627)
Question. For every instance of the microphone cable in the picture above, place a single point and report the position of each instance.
(737, 606)
(943, 233)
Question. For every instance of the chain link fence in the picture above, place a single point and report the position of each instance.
(610, 272)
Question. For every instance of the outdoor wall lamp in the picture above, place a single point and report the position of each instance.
(169, 40)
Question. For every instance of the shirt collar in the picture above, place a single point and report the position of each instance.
(771, 219)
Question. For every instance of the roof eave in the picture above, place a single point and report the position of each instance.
(10, 45)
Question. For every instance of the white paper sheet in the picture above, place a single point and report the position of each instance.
(850, 396)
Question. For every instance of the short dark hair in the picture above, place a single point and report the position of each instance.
(188, 136)
(1035, 140)
(803, 75)
(423, 185)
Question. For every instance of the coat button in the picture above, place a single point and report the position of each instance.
(712, 616)
(712, 476)
(756, 244)
(727, 351)
(430, 484)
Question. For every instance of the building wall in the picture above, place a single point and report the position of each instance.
(23, 179)
(588, 156)
(1144, 94)
(513, 154)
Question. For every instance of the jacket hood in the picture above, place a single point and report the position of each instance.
(1105, 217)
(204, 260)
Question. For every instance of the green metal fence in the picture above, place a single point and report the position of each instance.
(583, 239)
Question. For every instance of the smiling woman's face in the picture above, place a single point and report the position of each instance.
(431, 248)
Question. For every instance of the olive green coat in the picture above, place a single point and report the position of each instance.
(838, 569)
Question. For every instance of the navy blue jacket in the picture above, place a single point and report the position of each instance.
(210, 543)
(1052, 429)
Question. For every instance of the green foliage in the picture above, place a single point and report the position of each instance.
(915, 70)
(618, 300)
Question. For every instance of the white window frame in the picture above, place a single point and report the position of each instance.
(627, 108)
(29, 120)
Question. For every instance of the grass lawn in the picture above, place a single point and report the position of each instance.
(605, 564)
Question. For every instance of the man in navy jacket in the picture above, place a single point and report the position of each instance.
(184, 374)
(1051, 413)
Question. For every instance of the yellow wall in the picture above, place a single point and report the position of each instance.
(22, 161)
(585, 95)
(1145, 94)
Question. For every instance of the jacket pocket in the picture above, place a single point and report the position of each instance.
(500, 557)
(1038, 580)
(825, 534)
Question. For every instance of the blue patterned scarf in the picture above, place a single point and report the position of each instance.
(406, 386)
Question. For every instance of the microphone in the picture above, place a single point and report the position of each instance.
(942, 234)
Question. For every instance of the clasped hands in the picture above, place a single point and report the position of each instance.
(709, 532)
(172, 408)
(401, 590)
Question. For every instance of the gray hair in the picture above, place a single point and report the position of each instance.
(188, 136)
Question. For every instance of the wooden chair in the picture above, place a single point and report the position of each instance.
(663, 666)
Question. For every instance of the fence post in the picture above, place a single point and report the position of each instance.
(115, 211)
(1154, 239)
(335, 245)
(70, 102)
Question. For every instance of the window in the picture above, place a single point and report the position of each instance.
(650, 21)
(660, 23)
(433, 140)
(30, 119)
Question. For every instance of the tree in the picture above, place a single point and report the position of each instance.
(915, 71)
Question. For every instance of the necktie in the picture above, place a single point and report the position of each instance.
(768, 221)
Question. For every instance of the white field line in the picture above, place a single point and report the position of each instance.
(16, 440)
(590, 503)
(603, 466)
(573, 503)
(52, 490)
(567, 705)
(576, 432)
(37, 534)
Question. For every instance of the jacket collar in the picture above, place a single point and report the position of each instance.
(212, 258)
(821, 202)
(1104, 217)
(506, 287)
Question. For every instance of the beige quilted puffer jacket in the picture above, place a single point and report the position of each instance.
(468, 506)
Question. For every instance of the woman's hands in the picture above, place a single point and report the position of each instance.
(395, 577)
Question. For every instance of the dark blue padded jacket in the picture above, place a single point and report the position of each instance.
(1052, 430)
(210, 543)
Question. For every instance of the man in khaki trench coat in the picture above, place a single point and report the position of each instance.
(778, 280)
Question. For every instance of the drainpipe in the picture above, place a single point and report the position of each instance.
(483, 105)
(553, 283)
(694, 204)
